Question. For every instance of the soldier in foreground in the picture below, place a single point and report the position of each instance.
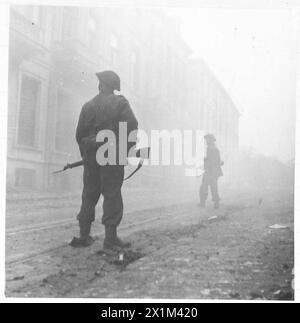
(212, 167)
(103, 112)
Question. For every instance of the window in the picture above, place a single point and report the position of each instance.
(25, 177)
(70, 17)
(62, 183)
(132, 65)
(91, 25)
(114, 50)
(64, 123)
(114, 41)
(28, 106)
(134, 73)
(92, 35)
(36, 15)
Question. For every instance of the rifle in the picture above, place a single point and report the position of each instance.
(141, 153)
(69, 166)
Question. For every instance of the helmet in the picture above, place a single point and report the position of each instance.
(110, 78)
(210, 137)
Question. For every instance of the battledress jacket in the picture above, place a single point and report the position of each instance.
(212, 162)
(103, 112)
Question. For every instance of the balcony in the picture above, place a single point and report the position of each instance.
(26, 38)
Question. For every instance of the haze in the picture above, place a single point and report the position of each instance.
(253, 54)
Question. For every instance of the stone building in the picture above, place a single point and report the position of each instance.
(54, 54)
(217, 112)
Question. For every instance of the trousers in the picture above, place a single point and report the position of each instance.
(209, 181)
(106, 181)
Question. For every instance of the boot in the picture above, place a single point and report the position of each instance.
(202, 202)
(112, 241)
(217, 205)
(122, 244)
(109, 244)
(85, 229)
(85, 240)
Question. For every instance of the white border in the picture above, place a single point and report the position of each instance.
(4, 23)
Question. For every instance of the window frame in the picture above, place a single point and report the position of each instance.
(36, 140)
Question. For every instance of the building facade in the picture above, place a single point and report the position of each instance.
(217, 112)
(54, 54)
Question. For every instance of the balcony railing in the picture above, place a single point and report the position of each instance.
(26, 28)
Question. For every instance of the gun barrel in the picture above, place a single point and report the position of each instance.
(70, 166)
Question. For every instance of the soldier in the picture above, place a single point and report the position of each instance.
(104, 111)
(212, 167)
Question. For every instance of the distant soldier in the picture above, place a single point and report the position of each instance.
(212, 167)
(104, 111)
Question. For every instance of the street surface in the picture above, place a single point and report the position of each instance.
(181, 250)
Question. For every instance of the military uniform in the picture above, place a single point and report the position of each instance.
(101, 113)
(212, 167)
